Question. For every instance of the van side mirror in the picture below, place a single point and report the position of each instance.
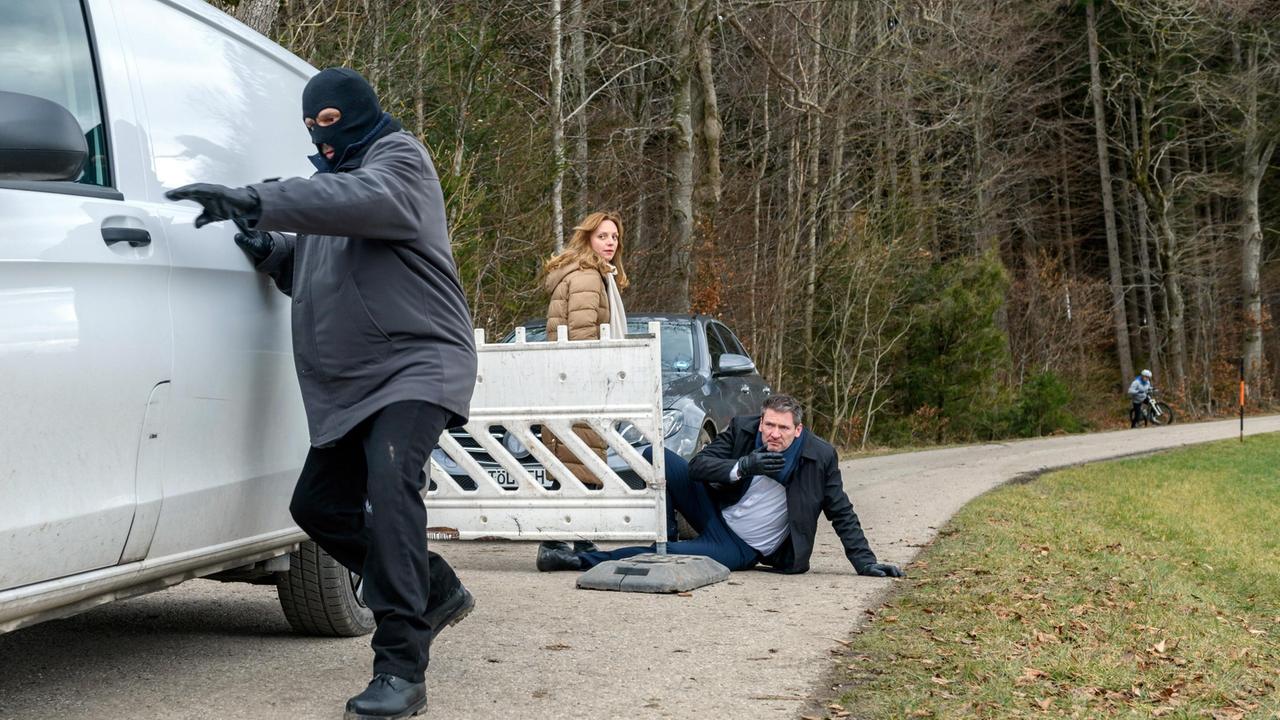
(39, 140)
(734, 364)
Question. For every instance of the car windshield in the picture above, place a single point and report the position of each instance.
(677, 342)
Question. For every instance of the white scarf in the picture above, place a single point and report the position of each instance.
(617, 314)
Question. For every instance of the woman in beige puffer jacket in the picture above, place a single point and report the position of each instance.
(584, 282)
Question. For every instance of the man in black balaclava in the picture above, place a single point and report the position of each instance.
(386, 361)
(342, 143)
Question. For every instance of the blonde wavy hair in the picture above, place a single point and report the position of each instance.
(578, 250)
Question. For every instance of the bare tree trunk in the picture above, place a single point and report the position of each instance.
(1142, 220)
(924, 226)
(1068, 217)
(1173, 293)
(1128, 265)
(258, 14)
(1108, 202)
(710, 128)
(1174, 279)
(681, 183)
(1257, 156)
(811, 211)
(557, 128)
(755, 219)
(983, 234)
(578, 66)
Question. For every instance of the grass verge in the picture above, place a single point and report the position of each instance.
(1147, 587)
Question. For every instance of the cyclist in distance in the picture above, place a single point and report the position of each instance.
(1139, 390)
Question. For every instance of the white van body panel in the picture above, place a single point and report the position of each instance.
(221, 110)
(153, 428)
(85, 335)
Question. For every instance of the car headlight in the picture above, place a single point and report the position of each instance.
(672, 422)
(445, 461)
(514, 446)
(630, 433)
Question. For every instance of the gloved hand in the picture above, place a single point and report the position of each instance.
(257, 245)
(761, 462)
(219, 201)
(881, 570)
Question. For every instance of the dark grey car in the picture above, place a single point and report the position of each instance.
(707, 380)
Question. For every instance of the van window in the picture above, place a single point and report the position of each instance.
(219, 109)
(45, 52)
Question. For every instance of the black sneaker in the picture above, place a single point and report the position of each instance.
(387, 698)
(451, 611)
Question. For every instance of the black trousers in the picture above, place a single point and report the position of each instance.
(1137, 414)
(361, 501)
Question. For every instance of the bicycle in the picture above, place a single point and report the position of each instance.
(1156, 412)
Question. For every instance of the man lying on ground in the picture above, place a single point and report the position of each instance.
(753, 496)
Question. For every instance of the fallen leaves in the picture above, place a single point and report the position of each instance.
(1030, 675)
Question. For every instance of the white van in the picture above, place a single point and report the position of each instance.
(151, 427)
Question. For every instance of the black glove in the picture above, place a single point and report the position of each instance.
(220, 202)
(761, 462)
(881, 570)
(257, 245)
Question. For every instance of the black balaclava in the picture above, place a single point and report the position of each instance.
(362, 116)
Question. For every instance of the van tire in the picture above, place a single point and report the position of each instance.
(317, 596)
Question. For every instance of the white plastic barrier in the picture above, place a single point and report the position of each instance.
(555, 385)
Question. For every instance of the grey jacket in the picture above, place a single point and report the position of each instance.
(379, 315)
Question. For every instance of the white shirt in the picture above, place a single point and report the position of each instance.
(760, 517)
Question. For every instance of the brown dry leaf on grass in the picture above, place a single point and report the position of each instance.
(1029, 675)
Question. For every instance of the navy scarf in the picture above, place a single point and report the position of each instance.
(791, 456)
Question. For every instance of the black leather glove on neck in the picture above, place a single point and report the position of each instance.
(220, 202)
(761, 462)
(257, 245)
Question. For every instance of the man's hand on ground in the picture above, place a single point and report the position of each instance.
(219, 201)
(761, 462)
(881, 570)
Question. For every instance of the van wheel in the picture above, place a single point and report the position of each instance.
(318, 595)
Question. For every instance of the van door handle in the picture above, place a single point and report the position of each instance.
(136, 237)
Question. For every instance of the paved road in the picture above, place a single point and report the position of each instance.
(757, 646)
